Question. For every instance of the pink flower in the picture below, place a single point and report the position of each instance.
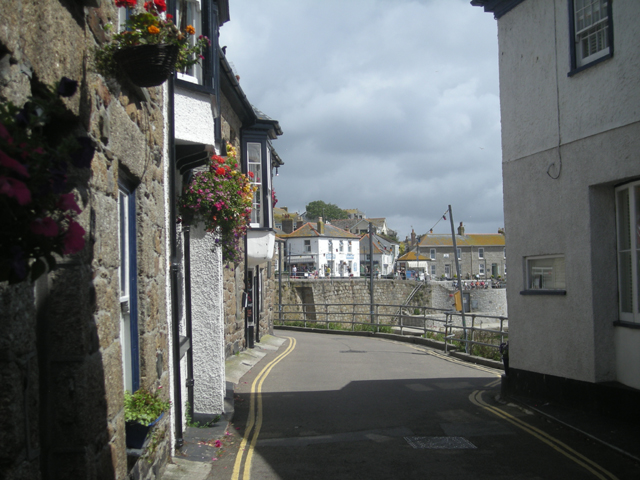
(218, 444)
(74, 238)
(15, 188)
(68, 202)
(44, 226)
(16, 166)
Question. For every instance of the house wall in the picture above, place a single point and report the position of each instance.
(61, 405)
(320, 246)
(581, 141)
(469, 260)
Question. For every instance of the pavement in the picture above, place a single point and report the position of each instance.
(194, 460)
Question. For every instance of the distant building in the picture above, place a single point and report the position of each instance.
(480, 255)
(326, 249)
(385, 253)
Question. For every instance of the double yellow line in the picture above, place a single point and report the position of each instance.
(557, 445)
(255, 417)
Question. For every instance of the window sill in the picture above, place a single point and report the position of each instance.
(620, 323)
(590, 64)
(543, 292)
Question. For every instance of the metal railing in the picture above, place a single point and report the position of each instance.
(483, 336)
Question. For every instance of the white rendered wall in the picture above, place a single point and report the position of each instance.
(589, 124)
(207, 323)
(194, 117)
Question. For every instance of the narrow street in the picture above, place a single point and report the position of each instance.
(345, 407)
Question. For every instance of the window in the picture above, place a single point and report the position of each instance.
(307, 246)
(480, 252)
(591, 31)
(341, 246)
(254, 166)
(628, 226)
(433, 270)
(127, 275)
(349, 246)
(545, 273)
(432, 254)
(188, 12)
(481, 268)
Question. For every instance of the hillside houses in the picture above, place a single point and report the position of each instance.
(385, 254)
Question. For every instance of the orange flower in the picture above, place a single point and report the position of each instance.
(153, 30)
(190, 29)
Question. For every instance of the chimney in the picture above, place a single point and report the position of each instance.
(320, 226)
(501, 231)
(287, 225)
(461, 229)
(413, 237)
(299, 223)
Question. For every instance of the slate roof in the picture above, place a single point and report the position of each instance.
(309, 230)
(473, 239)
(411, 256)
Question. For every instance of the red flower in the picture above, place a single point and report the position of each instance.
(4, 133)
(7, 161)
(126, 3)
(68, 202)
(217, 159)
(74, 238)
(220, 171)
(45, 226)
(250, 174)
(15, 188)
(160, 5)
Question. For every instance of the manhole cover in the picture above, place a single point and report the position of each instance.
(439, 442)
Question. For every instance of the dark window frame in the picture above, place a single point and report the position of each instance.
(572, 40)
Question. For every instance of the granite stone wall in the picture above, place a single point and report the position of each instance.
(61, 405)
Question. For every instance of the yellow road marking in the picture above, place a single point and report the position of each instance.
(559, 446)
(255, 417)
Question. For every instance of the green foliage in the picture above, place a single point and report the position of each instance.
(191, 423)
(328, 211)
(143, 406)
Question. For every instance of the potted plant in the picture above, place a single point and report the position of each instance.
(142, 410)
(37, 209)
(504, 351)
(220, 198)
(151, 47)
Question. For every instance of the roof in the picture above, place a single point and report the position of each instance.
(411, 256)
(380, 244)
(497, 7)
(473, 239)
(330, 231)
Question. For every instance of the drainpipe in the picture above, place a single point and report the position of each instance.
(188, 317)
(174, 268)
(371, 269)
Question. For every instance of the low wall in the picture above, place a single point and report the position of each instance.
(316, 294)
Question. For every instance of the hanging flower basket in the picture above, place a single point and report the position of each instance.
(147, 65)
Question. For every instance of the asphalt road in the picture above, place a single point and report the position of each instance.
(344, 407)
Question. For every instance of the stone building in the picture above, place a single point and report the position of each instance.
(572, 199)
(96, 325)
(480, 255)
(147, 302)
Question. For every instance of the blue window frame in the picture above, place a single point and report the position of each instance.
(128, 280)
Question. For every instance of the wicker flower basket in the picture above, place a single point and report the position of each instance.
(148, 65)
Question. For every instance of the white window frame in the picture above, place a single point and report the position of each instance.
(307, 246)
(254, 165)
(432, 253)
(591, 30)
(433, 270)
(480, 252)
(194, 18)
(481, 268)
(628, 251)
(341, 246)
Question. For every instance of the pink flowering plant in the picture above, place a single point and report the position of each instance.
(149, 27)
(37, 211)
(221, 198)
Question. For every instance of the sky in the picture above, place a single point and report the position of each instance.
(390, 107)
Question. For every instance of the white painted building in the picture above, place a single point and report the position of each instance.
(569, 91)
(325, 249)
